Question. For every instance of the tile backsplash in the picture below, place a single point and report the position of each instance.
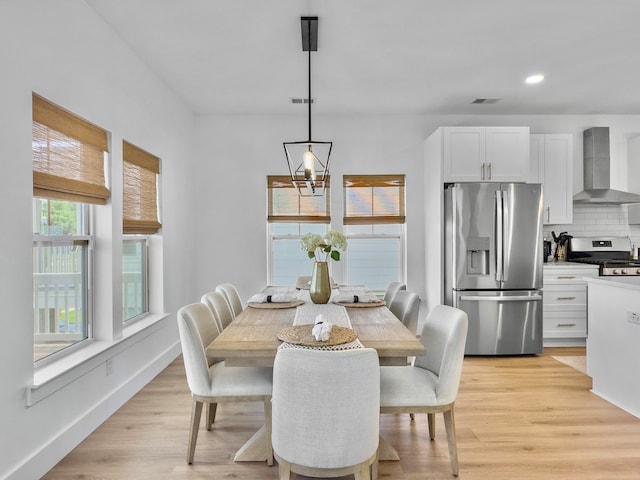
(594, 221)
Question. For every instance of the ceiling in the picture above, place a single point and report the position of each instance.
(389, 57)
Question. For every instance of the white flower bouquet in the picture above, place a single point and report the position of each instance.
(316, 246)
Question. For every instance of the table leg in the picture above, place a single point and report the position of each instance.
(255, 449)
(386, 451)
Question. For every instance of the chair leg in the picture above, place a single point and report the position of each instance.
(210, 414)
(449, 424)
(267, 426)
(196, 411)
(363, 472)
(374, 468)
(412, 417)
(431, 420)
(284, 470)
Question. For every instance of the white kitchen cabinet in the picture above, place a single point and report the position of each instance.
(633, 177)
(485, 154)
(564, 304)
(551, 163)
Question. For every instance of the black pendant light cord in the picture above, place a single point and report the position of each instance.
(309, 81)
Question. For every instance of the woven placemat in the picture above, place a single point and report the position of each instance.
(301, 335)
(294, 303)
(379, 303)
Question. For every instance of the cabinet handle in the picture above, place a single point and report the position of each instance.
(548, 214)
(482, 171)
(565, 298)
(489, 169)
(565, 277)
(566, 324)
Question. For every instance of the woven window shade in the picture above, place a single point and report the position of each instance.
(285, 204)
(68, 155)
(140, 206)
(373, 199)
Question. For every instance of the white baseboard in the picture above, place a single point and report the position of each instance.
(45, 458)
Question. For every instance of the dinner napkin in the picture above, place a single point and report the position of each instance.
(322, 329)
(359, 298)
(275, 298)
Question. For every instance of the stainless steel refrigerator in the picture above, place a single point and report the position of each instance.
(493, 264)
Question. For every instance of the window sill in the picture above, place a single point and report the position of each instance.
(54, 376)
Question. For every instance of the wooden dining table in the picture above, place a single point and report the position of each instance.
(251, 339)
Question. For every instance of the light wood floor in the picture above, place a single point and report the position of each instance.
(517, 418)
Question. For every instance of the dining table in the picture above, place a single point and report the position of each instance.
(255, 335)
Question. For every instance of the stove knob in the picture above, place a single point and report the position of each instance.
(623, 272)
(638, 271)
(616, 271)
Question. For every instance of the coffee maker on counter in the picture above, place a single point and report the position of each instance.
(562, 244)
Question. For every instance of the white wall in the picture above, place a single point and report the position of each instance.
(64, 52)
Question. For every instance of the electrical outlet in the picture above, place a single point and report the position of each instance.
(633, 317)
(109, 364)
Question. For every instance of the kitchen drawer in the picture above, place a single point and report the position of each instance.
(565, 297)
(564, 325)
(564, 275)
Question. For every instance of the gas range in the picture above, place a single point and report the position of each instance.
(611, 254)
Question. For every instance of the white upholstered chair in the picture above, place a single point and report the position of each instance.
(326, 412)
(232, 296)
(431, 384)
(303, 280)
(406, 306)
(220, 308)
(217, 383)
(391, 290)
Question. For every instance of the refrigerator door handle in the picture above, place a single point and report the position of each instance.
(506, 228)
(499, 244)
(494, 298)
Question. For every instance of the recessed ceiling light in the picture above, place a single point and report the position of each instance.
(534, 79)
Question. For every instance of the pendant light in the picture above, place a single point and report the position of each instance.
(308, 160)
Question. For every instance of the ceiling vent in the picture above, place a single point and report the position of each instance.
(487, 100)
(301, 101)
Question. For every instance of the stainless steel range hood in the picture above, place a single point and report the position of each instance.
(597, 170)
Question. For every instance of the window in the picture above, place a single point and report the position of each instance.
(290, 216)
(135, 277)
(374, 222)
(69, 162)
(140, 172)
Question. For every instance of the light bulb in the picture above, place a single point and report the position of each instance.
(308, 160)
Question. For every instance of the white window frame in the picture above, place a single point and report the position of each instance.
(88, 241)
(145, 277)
(375, 218)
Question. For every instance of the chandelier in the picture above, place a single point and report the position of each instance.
(308, 160)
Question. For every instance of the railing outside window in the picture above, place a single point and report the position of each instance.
(61, 309)
(134, 278)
